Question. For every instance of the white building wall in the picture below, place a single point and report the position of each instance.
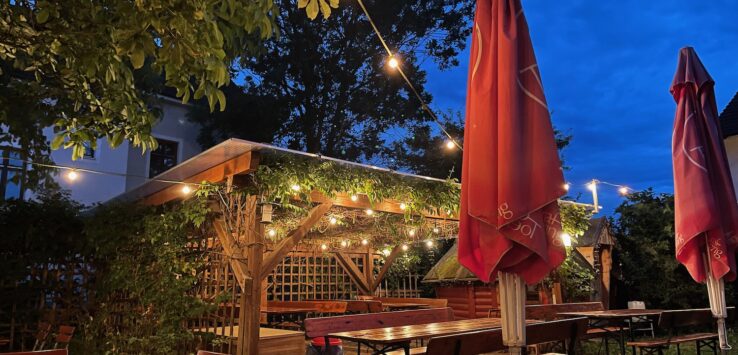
(128, 162)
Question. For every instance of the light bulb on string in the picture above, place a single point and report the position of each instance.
(386, 252)
(567, 186)
(429, 243)
(272, 233)
(566, 239)
(369, 212)
(404, 247)
(450, 145)
(364, 242)
(592, 186)
(411, 232)
(295, 187)
(436, 230)
(344, 244)
(393, 62)
(623, 190)
(354, 198)
(186, 189)
(72, 175)
(333, 221)
(403, 206)
(323, 247)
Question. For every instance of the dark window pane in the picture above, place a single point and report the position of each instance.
(163, 158)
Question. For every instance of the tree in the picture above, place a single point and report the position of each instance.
(645, 247)
(327, 82)
(74, 63)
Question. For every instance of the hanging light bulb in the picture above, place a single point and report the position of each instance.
(386, 252)
(295, 187)
(272, 233)
(566, 239)
(344, 244)
(436, 230)
(393, 62)
(369, 212)
(403, 206)
(411, 232)
(623, 190)
(354, 198)
(404, 247)
(429, 243)
(592, 186)
(323, 247)
(450, 144)
(72, 175)
(364, 242)
(333, 220)
(567, 186)
(186, 189)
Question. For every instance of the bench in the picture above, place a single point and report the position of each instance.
(676, 320)
(321, 327)
(549, 312)
(487, 341)
(336, 307)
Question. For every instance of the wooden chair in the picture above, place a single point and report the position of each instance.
(675, 321)
(42, 333)
(63, 336)
(321, 327)
(487, 341)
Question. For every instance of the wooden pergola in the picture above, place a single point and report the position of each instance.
(252, 257)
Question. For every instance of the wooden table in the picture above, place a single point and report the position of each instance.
(382, 340)
(399, 306)
(271, 341)
(613, 322)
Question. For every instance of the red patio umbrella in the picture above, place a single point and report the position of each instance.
(706, 212)
(511, 173)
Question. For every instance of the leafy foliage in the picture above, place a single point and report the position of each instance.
(645, 249)
(325, 83)
(78, 61)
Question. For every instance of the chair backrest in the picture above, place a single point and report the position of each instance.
(685, 318)
(64, 335)
(431, 302)
(487, 341)
(319, 306)
(43, 331)
(318, 327)
(40, 352)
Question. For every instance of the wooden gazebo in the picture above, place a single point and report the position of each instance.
(329, 236)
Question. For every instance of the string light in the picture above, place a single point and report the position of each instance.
(186, 189)
(623, 190)
(411, 232)
(404, 247)
(354, 198)
(429, 243)
(72, 175)
(323, 247)
(567, 186)
(344, 243)
(403, 206)
(436, 230)
(333, 220)
(369, 212)
(272, 233)
(295, 187)
(393, 62)
(386, 252)
(450, 145)
(592, 186)
(566, 239)
(364, 242)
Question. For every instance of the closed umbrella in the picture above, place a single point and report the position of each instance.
(706, 213)
(511, 173)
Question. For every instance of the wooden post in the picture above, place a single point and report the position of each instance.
(250, 311)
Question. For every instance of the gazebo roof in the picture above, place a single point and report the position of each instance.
(597, 233)
(448, 269)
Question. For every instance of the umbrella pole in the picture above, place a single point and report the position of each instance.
(716, 294)
(512, 308)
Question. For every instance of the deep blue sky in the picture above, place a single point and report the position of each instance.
(607, 67)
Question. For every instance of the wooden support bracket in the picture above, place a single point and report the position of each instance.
(387, 264)
(354, 273)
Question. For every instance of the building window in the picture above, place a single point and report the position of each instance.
(11, 174)
(163, 158)
(89, 151)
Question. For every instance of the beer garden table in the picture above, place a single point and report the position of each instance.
(614, 321)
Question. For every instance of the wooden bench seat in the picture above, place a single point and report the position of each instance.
(673, 321)
(673, 340)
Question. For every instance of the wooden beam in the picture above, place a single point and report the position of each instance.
(241, 164)
(230, 248)
(293, 238)
(387, 265)
(250, 311)
(362, 202)
(354, 273)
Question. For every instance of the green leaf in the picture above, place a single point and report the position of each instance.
(116, 139)
(42, 16)
(57, 141)
(137, 58)
(221, 100)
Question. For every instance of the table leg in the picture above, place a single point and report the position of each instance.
(406, 346)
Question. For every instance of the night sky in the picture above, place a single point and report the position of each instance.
(607, 67)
